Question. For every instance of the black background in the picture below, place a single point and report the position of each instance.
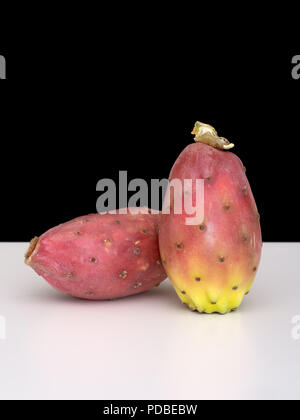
(74, 112)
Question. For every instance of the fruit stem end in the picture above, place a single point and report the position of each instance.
(205, 133)
(31, 249)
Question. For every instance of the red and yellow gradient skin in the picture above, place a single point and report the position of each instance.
(100, 256)
(212, 265)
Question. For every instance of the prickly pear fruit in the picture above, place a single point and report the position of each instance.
(100, 256)
(212, 265)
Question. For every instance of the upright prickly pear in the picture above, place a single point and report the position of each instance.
(212, 265)
(100, 256)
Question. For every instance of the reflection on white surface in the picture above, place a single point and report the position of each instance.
(210, 354)
(149, 346)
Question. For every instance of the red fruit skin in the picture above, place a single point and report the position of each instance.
(100, 256)
(215, 265)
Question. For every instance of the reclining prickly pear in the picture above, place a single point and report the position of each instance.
(100, 256)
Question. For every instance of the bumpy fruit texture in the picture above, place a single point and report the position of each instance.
(100, 256)
(212, 265)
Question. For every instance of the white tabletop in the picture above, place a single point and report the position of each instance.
(149, 346)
